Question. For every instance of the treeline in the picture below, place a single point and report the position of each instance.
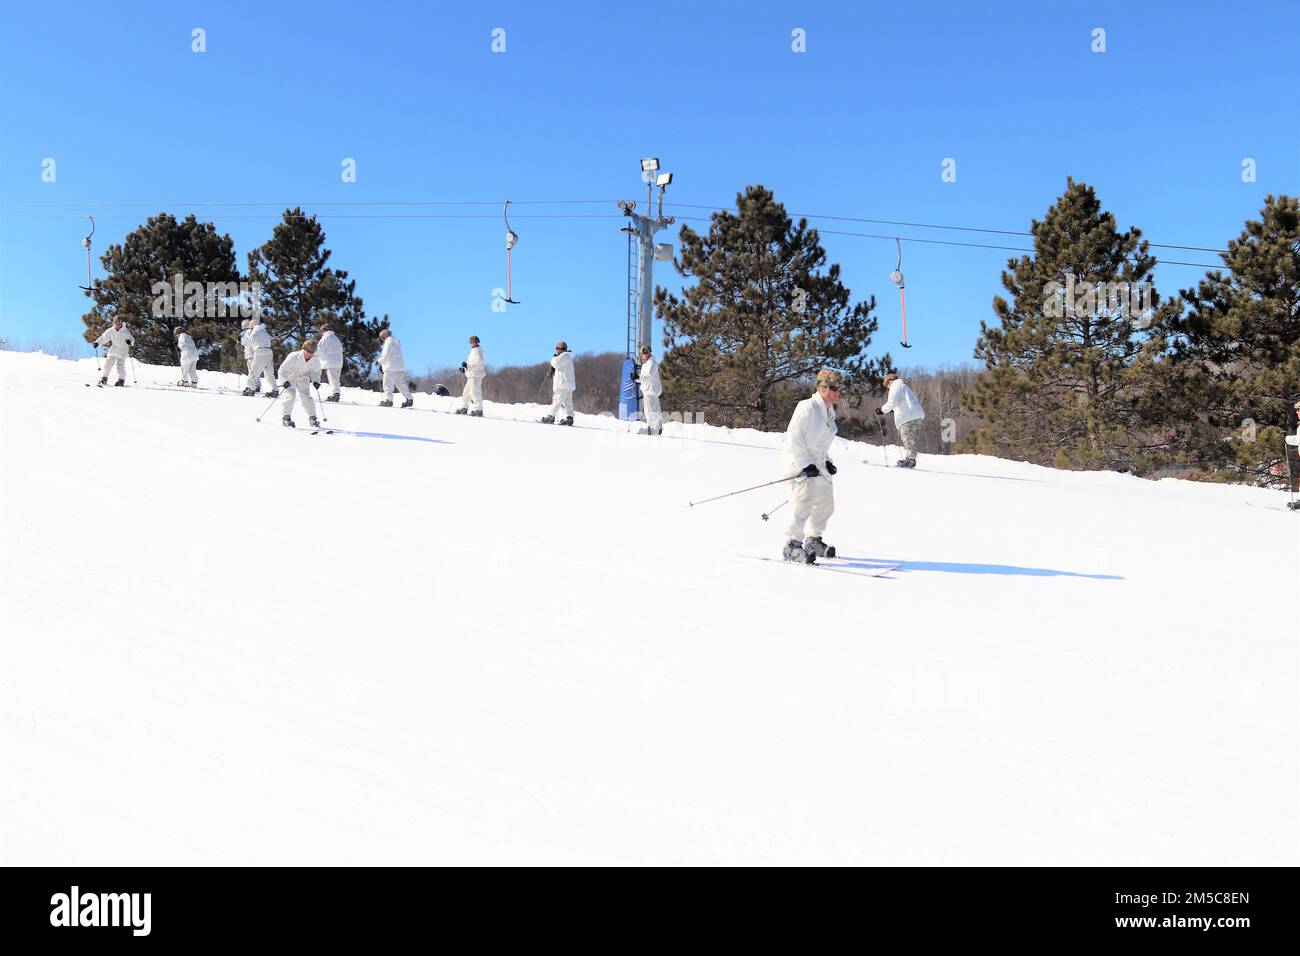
(171, 272)
(597, 376)
(1087, 365)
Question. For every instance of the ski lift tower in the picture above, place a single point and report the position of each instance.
(642, 251)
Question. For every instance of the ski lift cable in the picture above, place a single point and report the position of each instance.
(559, 202)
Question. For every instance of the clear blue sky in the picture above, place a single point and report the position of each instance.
(856, 126)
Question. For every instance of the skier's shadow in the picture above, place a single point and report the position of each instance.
(433, 441)
(953, 567)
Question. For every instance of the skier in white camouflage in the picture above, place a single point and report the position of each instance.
(393, 366)
(474, 368)
(117, 339)
(299, 374)
(189, 358)
(908, 415)
(563, 384)
(330, 354)
(647, 377)
(263, 360)
(806, 453)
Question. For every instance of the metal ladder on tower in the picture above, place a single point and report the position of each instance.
(633, 284)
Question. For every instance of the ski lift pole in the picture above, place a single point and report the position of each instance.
(897, 278)
(511, 238)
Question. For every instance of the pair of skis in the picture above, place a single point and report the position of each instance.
(836, 565)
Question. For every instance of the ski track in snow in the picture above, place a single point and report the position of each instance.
(450, 640)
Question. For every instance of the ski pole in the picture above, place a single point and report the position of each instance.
(134, 378)
(268, 407)
(772, 511)
(320, 403)
(95, 352)
(881, 425)
(766, 484)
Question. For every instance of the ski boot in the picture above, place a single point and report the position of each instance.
(462, 411)
(1293, 505)
(477, 413)
(547, 419)
(819, 548)
(248, 393)
(331, 398)
(386, 403)
(120, 383)
(314, 423)
(408, 403)
(566, 421)
(182, 384)
(795, 551)
(273, 393)
(104, 380)
(287, 422)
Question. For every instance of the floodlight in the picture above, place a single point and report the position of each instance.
(650, 165)
(663, 180)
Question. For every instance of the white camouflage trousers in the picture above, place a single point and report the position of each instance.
(561, 403)
(301, 388)
(654, 417)
(812, 502)
(190, 371)
(471, 396)
(335, 377)
(119, 361)
(261, 368)
(395, 380)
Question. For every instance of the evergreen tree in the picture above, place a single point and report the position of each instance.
(299, 291)
(1068, 361)
(761, 319)
(1234, 372)
(140, 287)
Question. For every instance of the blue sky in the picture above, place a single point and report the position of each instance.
(856, 126)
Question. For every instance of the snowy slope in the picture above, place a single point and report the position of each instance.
(492, 641)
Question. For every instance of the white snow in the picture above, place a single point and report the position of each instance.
(513, 643)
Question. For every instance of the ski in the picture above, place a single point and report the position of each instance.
(830, 564)
(1271, 507)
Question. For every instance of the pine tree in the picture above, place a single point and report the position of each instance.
(762, 318)
(1234, 372)
(140, 286)
(299, 291)
(1067, 362)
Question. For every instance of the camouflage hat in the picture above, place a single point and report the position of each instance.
(561, 346)
(309, 345)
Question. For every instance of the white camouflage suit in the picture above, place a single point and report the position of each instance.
(563, 383)
(471, 396)
(299, 372)
(908, 415)
(330, 355)
(393, 366)
(119, 340)
(263, 361)
(189, 358)
(651, 388)
(808, 440)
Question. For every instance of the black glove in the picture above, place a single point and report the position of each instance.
(463, 367)
(830, 467)
(636, 374)
(316, 385)
(809, 471)
(880, 411)
(285, 385)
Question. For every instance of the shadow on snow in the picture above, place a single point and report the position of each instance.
(953, 567)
